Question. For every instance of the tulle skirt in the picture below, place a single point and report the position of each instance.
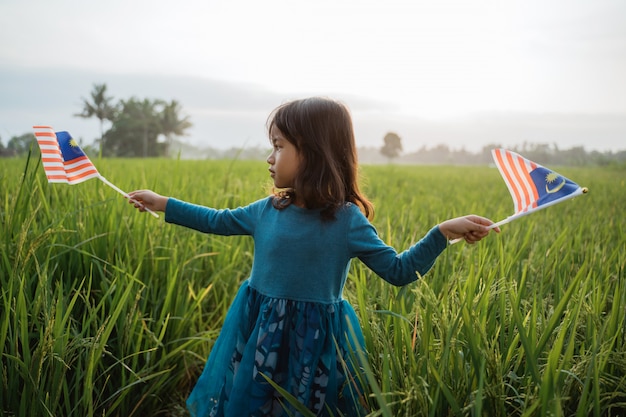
(306, 349)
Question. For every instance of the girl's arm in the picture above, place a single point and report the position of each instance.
(226, 222)
(400, 268)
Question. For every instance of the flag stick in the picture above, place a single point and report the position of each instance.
(579, 191)
(107, 182)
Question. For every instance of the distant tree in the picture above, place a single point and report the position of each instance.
(4, 151)
(136, 119)
(574, 156)
(392, 146)
(485, 153)
(100, 107)
(171, 123)
(440, 154)
(136, 125)
(20, 145)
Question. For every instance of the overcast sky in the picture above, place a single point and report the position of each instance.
(468, 73)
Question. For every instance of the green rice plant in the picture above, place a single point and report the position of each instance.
(108, 312)
(502, 320)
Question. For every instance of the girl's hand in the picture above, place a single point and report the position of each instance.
(146, 199)
(471, 228)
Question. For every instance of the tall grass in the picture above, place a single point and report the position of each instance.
(527, 323)
(107, 312)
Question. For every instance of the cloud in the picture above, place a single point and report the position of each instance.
(228, 114)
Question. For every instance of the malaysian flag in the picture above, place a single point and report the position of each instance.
(531, 185)
(63, 160)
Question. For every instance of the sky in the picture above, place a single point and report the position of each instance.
(463, 73)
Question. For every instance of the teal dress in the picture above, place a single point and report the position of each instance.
(289, 322)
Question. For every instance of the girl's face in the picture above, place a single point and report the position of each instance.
(284, 160)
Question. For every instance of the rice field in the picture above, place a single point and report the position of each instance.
(109, 312)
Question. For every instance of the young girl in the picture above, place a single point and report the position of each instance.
(289, 322)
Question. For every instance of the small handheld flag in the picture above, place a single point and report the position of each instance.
(64, 161)
(532, 186)
(62, 158)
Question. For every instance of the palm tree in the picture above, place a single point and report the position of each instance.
(171, 124)
(100, 107)
(135, 129)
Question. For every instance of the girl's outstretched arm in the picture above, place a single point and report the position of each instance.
(149, 199)
(471, 228)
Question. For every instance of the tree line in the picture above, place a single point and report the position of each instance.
(138, 127)
(150, 128)
(547, 154)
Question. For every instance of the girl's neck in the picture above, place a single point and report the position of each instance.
(288, 193)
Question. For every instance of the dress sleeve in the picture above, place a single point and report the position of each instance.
(395, 268)
(226, 222)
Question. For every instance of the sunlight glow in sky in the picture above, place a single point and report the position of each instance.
(424, 59)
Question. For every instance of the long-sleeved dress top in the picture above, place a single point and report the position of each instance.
(300, 257)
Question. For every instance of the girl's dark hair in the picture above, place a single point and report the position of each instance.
(321, 131)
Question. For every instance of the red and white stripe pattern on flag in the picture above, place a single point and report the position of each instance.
(515, 171)
(63, 167)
